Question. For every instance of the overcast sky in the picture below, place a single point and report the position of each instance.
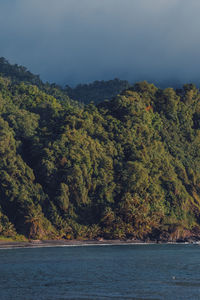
(73, 41)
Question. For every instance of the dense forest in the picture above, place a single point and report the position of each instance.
(127, 167)
(97, 91)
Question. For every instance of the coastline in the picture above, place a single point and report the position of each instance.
(71, 243)
(66, 243)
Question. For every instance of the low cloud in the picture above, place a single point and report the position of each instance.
(72, 41)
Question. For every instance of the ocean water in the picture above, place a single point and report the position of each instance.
(101, 272)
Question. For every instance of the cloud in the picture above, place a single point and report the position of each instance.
(72, 41)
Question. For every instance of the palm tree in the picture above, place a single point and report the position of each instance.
(34, 219)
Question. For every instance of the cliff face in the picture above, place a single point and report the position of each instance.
(125, 168)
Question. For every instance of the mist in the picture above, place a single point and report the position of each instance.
(79, 41)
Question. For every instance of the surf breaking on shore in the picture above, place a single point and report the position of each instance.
(75, 243)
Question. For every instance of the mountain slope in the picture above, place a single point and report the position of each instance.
(125, 168)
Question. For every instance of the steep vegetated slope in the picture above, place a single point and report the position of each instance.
(125, 168)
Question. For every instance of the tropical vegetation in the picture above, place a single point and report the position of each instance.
(126, 167)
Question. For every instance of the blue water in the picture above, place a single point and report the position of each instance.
(101, 272)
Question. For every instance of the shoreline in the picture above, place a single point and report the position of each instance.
(72, 243)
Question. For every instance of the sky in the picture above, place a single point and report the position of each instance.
(79, 41)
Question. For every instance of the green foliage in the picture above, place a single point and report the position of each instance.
(97, 91)
(125, 168)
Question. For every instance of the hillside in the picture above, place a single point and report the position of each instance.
(97, 91)
(82, 93)
(125, 168)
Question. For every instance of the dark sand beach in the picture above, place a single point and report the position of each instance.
(101, 242)
(65, 243)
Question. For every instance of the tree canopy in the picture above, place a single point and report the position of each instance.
(128, 167)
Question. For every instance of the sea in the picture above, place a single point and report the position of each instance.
(157, 271)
